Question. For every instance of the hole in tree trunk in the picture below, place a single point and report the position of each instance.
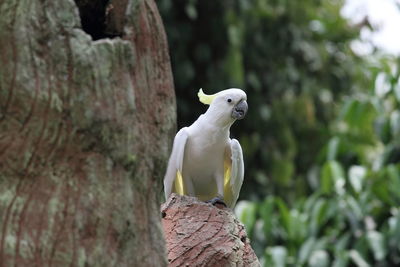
(102, 18)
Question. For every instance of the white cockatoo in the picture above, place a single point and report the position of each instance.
(205, 162)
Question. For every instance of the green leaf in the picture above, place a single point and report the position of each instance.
(342, 243)
(356, 257)
(395, 123)
(246, 213)
(382, 128)
(284, 215)
(318, 216)
(319, 258)
(382, 84)
(234, 66)
(306, 249)
(355, 212)
(394, 182)
(278, 255)
(341, 260)
(397, 90)
(298, 226)
(191, 10)
(377, 244)
(394, 231)
(359, 116)
(356, 176)
(310, 202)
(333, 177)
(333, 148)
(322, 243)
(283, 169)
(267, 214)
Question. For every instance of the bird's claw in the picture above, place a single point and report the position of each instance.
(217, 200)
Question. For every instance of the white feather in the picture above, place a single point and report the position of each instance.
(175, 162)
(237, 171)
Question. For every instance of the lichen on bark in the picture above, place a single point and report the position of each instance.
(85, 130)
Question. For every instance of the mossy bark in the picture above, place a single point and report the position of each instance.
(85, 130)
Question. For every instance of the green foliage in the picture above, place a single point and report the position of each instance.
(322, 136)
(352, 217)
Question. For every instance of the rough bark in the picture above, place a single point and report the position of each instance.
(200, 234)
(85, 129)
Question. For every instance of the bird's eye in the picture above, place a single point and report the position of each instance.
(229, 100)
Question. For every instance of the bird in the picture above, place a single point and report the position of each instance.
(205, 162)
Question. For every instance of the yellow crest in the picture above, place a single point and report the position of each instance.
(205, 99)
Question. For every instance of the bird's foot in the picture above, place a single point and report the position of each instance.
(217, 200)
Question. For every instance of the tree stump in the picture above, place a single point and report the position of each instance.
(200, 234)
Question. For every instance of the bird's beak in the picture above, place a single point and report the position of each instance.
(240, 110)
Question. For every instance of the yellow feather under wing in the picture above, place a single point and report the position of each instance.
(228, 194)
(178, 184)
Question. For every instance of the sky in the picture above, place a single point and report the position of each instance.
(384, 15)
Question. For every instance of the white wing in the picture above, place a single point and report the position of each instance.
(232, 189)
(175, 160)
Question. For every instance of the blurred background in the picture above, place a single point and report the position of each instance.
(321, 140)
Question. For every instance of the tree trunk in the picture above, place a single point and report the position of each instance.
(200, 234)
(85, 130)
